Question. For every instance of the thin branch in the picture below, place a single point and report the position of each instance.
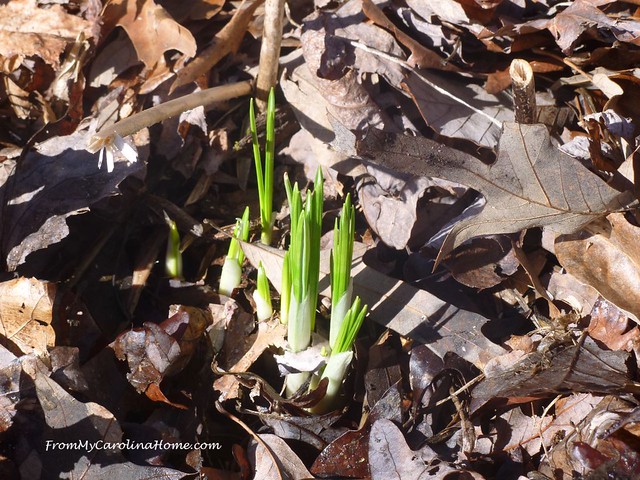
(269, 50)
(169, 109)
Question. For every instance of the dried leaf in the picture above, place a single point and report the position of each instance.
(483, 262)
(288, 464)
(348, 23)
(514, 429)
(151, 29)
(591, 444)
(421, 56)
(531, 184)
(66, 421)
(348, 100)
(390, 457)
(560, 369)
(611, 327)
(28, 30)
(26, 312)
(579, 18)
(453, 119)
(346, 456)
(149, 352)
(606, 256)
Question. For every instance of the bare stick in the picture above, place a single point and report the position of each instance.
(168, 109)
(524, 91)
(270, 50)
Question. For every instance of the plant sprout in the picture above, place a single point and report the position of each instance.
(262, 295)
(341, 254)
(173, 258)
(341, 354)
(301, 271)
(232, 268)
(264, 174)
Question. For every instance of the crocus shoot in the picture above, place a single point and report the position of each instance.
(173, 257)
(264, 173)
(341, 254)
(262, 295)
(232, 267)
(341, 354)
(302, 269)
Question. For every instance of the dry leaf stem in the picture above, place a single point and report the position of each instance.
(524, 91)
(153, 115)
(269, 50)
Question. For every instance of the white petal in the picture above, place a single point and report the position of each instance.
(129, 153)
(110, 163)
(127, 150)
(101, 157)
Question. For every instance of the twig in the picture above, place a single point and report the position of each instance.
(166, 110)
(466, 386)
(269, 50)
(438, 89)
(524, 91)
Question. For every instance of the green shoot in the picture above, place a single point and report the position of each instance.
(285, 295)
(262, 295)
(264, 175)
(341, 255)
(302, 270)
(232, 268)
(341, 355)
(173, 258)
(350, 327)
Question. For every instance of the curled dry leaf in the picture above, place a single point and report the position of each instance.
(606, 257)
(421, 56)
(225, 41)
(593, 447)
(610, 326)
(26, 312)
(155, 351)
(514, 429)
(347, 99)
(149, 352)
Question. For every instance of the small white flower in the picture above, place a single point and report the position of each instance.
(109, 147)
